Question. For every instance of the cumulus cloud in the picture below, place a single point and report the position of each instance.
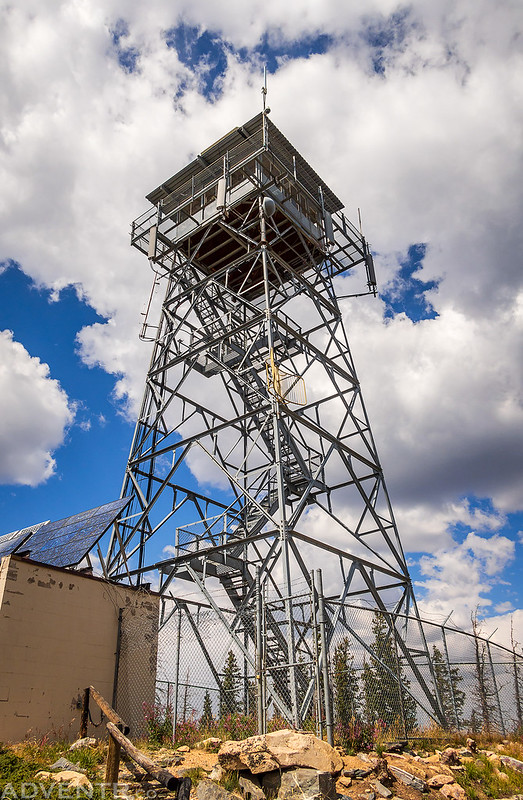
(34, 415)
(458, 578)
(409, 113)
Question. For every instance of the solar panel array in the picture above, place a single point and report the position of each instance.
(9, 542)
(67, 541)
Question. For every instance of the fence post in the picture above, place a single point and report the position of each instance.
(112, 768)
(259, 655)
(85, 713)
(315, 655)
(117, 657)
(177, 673)
(325, 664)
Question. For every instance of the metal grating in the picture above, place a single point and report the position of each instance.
(67, 541)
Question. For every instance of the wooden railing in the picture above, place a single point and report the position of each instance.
(118, 741)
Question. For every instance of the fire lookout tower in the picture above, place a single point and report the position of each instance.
(253, 460)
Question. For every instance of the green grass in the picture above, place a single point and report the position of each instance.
(20, 763)
(196, 774)
(481, 779)
(230, 781)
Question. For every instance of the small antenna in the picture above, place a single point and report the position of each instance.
(264, 87)
(359, 220)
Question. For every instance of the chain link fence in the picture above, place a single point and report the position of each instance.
(357, 675)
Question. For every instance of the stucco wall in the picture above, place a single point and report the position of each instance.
(58, 634)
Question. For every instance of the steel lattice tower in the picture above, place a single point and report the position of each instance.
(253, 458)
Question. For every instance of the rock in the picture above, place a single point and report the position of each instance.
(88, 741)
(408, 779)
(381, 789)
(183, 749)
(357, 774)
(208, 790)
(217, 773)
(345, 781)
(450, 756)
(74, 779)
(454, 791)
(251, 789)
(284, 748)
(270, 782)
(210, 745)
(471, 744)
(434, 759)
(440, 780)
(397, 747)
(512, 762)
(64, 764)
(307, 784)
(381, 768)
(369, 795)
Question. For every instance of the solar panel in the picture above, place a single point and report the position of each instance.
(67, 541)
(9, 542)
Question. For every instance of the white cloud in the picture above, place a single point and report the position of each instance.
(34, 415)
(458, 578)
(429, 149)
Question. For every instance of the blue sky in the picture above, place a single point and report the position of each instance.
(408, 113)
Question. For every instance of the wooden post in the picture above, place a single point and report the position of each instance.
(85, 714)
(109, 712)
(112, 768)
(163, 776)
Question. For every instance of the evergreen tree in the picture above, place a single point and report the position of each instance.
(447, 682)
(385, 684)
(206, 719)
(345, 684)
(484, 691)
(518, 680)
(229, 703)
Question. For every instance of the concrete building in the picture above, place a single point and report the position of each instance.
(61, 631)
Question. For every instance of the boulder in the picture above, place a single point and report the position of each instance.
(65, 764)
(307, 784)
(88, 741)
(439, 780)
(74, 779)
(210, 745)
(453, 791)
(512, 762)
(450, 756)
(381, 789)
(250, 789)
(271, 782)
(408, 779)
(217, 773)
(209, 790)
(272, 751)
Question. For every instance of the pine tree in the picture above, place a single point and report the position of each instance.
(385, 685)
(206, 719)
(347, 695)
(518, 680)
(229, 703)
(345, 684)
(484, 691)
(451, 697)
